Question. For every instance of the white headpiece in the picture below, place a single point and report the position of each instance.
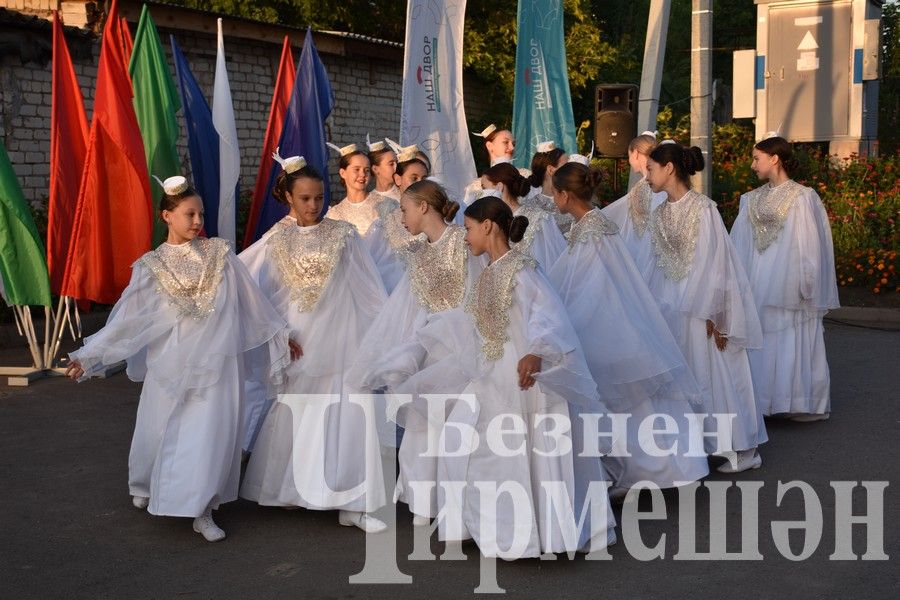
(394, 145)
(343, 151)
(582, 159)
(771, 134)
(379, 145)
(653, 134)
(486, 131)
(407, 153)
(289, 164)
(545, 146)
(173, 185)
(667, 142)
(501, 159)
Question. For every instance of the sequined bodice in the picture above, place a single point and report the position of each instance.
(491, 299)
(768, 208)
(359, 214)
(674, 227)
(397, 236)
(189, 274)
(592, 227)
(306, 257)
(437, 272)
(536, 220)
(544, 202)
(639, 198)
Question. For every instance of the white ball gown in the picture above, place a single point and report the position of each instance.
(396, 347)
(697, 276)
(783, 238)
(184, 324)
(638, 366)
(631, 213)
(513, 311)
(322, 280)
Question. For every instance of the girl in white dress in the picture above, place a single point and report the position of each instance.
(542, 240)
(316, 449)
(184, 323)
(544, 164)
(632, 211)
(633, 357)
(384, 164)
(704, 295)
(358, 207)
(783, 236)
(523, 363)
(397, 353)
(500, 146)
(387, 236)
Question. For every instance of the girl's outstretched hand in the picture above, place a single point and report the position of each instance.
(74, 370)
(528, 366)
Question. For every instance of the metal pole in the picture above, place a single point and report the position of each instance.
(701, 89)
(652, 70)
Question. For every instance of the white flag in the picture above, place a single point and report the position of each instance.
(229, 155)
(432, 115)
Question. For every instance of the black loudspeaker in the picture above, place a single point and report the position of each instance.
(615, 119)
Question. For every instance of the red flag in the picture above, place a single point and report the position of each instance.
(127, 40)
(284, 85)
(68, 146)
(113, 217)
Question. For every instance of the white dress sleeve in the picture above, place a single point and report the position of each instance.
(550, 336)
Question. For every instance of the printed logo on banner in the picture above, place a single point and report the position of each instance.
(428, 74)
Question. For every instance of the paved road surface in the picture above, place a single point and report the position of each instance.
(68, 530)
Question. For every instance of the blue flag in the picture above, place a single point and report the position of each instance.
(542, 109)
(304, 129)
(203, 141)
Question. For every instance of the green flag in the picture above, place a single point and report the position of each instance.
(542, 108)
(155, 103)
(23, 262)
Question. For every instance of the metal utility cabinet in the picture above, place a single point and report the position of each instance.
(813, 76)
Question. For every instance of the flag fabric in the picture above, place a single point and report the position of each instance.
(155, 104)
(542, 108)
(432, 114)
(284, 83)
(229, 154)
(23, 264)
(127, 40)
(312, 100)
(68, 147)
(203, 141)
(113, 216)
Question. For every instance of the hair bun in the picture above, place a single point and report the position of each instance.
(693, 160)
(517, 228)
(449, 209)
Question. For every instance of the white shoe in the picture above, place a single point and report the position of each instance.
(364, 521)
(140, 502)
(743, 460)
(205, 526)
(809, 418)
(420, 521)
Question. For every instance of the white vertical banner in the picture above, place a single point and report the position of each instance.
(229, 154)
(432, 115)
